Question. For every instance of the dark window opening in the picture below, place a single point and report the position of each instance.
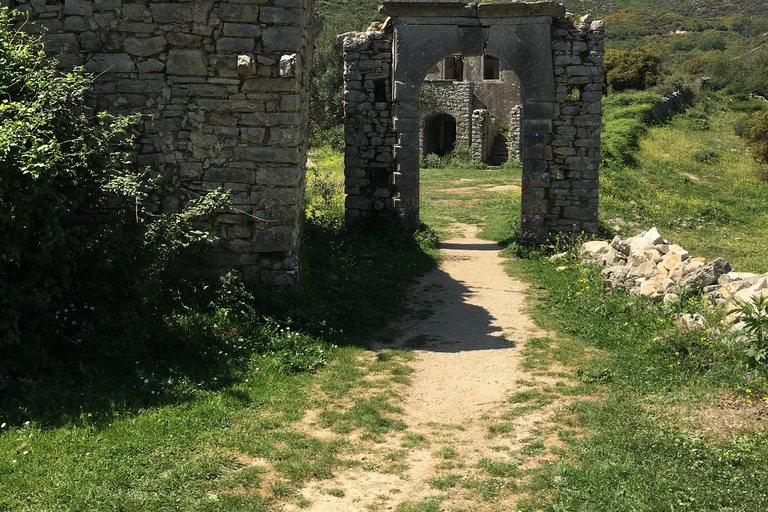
(491, 66)
(454, 68)
(439, 134)
(379, 91)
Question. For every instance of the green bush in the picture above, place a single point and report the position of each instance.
(625, 70)
(755, 130)
(71, 225)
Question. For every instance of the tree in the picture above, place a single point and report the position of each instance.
(630, 70)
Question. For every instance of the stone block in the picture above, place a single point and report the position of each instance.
(242, 13)
(278, 16)
(241, 30)
(60, 43)
(110, 63)
(186, 62)
(145, 47)
(274, 239)
(237, 45)
(75, 24)
(281, 39)
(78, 8)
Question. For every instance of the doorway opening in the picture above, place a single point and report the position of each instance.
(439, 134)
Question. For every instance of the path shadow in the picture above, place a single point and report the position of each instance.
(443, 320)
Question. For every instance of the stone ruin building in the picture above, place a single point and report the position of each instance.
(558, 64)
(471, 102)
(223, 89)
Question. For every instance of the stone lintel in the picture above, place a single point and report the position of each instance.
(471, 10)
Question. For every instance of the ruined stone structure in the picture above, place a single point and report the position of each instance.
(477, 95)
(559, 66)
(223, 86)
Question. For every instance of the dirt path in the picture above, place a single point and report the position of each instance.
(467, 330)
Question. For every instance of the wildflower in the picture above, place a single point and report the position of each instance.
(2, 426)
(25, 452)
(749, 390)
(146, 381)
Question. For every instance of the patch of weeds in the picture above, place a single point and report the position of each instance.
(336, 492)
(536, 445)
(445, 482)
(532, 395)
(498, 429)
(414, 441)
(488, 489)
(396, 468)
(281, 489)
(535, 354)
(396, 455)
(431, 504)
(445, 465)
(566, 435)
(446, 453)
(506, 468)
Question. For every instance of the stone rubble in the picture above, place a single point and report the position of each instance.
(649, 265)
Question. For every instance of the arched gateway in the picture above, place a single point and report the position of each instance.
(559, 65)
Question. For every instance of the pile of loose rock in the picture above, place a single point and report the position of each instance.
(649, 265)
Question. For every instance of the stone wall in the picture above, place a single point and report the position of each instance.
(224, 86)
(452, 98)
(571, 189)
(368, 127)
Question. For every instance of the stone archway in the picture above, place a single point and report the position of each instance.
(548, 53)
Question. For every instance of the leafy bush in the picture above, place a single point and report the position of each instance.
(625, 70)
(431, 161)
(755, 130)
(71, 223)
(706, 156)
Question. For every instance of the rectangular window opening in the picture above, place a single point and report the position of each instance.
(491, 66)
(379, 91)
(453, 68)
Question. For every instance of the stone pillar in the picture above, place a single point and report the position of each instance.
(480, 143)
(368, 127)
(513, 136)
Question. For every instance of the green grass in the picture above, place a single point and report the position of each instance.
(698, 186)
(199, 413)
(453, 194)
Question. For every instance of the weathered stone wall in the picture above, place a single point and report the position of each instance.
(571, 191)
(368, 127)
(224, 86)
(452, 98)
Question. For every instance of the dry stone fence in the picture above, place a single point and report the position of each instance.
(559, 66)
(223, 87)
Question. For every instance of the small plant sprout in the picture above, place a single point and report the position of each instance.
(754, 315)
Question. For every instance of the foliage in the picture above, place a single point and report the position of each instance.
(630, 70)
(72, 223)
(324, 191)
(327, 82)
(755, 131)
(754, 315)
(741, 72)
(57, 167)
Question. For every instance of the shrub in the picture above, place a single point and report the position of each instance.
(625, 70)
(706, 156)
(71, 225)
(755, 130)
